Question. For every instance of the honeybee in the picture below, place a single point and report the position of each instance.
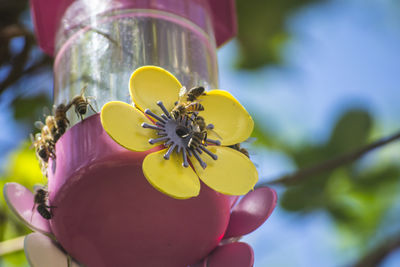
(47, 139)
(240, 149)
(199, 133)
(81, 104)
(190, 104)
(49, 122)
(49, 129)
(60, 118)
(197, 139)
(193, 93)
(182, 109)
(40, 201)
(41, 148)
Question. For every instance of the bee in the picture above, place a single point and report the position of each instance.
(190, 104)
(44, 150)
(60, 118)
(199, 133)
(41, 148)
(50, 129)
(194, 93)
(240, 149)
(197, 139)
(181, 109)
(40, 201)
(49, 122)
(194, 107)
(81, 104)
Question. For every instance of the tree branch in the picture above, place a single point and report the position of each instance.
(332, 164)
(18, 64)
(375, 256)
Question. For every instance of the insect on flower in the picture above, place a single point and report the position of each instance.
(155, 92)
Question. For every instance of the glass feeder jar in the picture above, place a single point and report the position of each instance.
(100, 43)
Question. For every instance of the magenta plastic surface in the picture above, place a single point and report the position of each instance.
(47, 15)
(20, 200)
(109, 215)
(251, 212)
(236, 254)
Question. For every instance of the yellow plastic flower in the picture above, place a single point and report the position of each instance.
(176, 169)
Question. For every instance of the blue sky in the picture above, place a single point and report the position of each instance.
(343, 54)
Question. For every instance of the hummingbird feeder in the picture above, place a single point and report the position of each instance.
(133, 181)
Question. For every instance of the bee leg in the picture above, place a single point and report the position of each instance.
(52, 152)
(33, 210)
(193, 117)
(92, 108)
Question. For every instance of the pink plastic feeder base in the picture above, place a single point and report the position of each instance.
(107, 214)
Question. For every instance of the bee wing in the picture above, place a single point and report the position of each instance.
(183, 93)
(31, 137)
(33, 209)
(46, 112)
(83, 90)
(196, 128)
(250, 141)
(214, 133)
(32, 141)
(38, 124)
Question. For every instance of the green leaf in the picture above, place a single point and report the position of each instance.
(30, 109)
(262, 30)
(351, 131)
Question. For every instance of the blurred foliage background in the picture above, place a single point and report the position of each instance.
(359, 198)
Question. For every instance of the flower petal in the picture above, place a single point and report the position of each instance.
(150, 84)
(231, 174)
(123, 123)
(231, 121)
(251, 212)
(169, 176)
(42, 252)
(21, 202)
(238, 254)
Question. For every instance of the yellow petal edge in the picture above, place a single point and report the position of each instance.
(231, 174)
(150, 84)
(123, 122)
(231, 120)
(169, 176)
